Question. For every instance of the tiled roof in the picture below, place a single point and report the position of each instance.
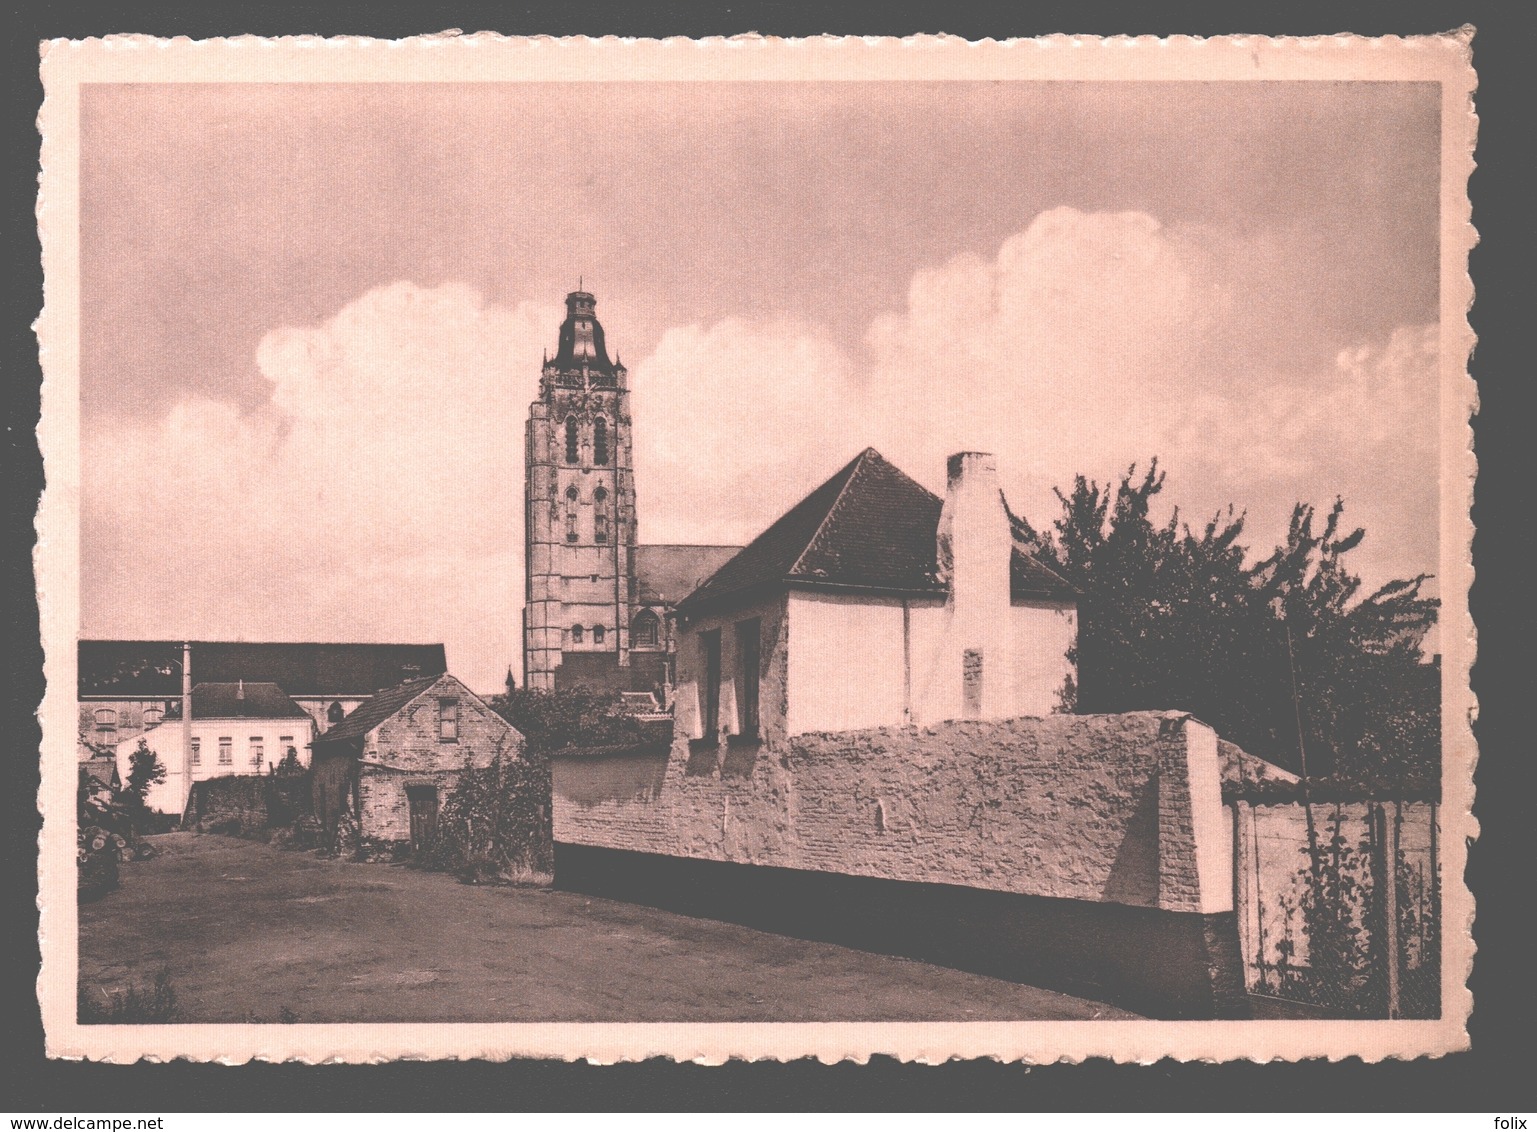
(243, 700)
(365, 717)
(666, 574)
(870, 527)
(1028, 578)
(152, 669)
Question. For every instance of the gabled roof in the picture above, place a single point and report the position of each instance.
(243, 700)
(665, 574)
(365, 717)
(152, 669)
(869, 527)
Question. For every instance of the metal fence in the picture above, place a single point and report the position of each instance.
(1344, 923)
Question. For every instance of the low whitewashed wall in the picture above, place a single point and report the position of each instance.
(1121, 809)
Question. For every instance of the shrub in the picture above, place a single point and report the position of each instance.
(137, 1004)
(495, 825)
(495, 822)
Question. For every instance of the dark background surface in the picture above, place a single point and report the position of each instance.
(1494, 1076)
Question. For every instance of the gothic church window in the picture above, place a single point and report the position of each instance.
(600, 516)
(335, 712)
(576, 634)
(598, 633)
(572, 441)
(644, 631)
(571, 496)
(600, 441)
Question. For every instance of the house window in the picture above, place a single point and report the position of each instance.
(598, 634)
(226, 750)
(286, 744)
(573, 441)
(106, 720)
(709, 641)
(645, 630)
(448, 721)
(576, 634)
(258, 751)
(747, 636)
(197, 752)
(152, 715)
(600, 441)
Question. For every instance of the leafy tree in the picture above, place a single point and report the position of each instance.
(289, 765)
(145, 770)
(571, 717)
(1175, 617)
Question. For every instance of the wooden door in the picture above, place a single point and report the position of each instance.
(424, 815)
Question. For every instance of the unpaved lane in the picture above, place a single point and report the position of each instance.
(252, 933)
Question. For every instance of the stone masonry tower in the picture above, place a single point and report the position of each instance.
(579, 506)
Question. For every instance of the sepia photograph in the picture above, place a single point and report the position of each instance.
(756, 547)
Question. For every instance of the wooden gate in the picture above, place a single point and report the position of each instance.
(424, 815)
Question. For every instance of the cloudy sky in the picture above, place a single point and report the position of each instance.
(312, 319)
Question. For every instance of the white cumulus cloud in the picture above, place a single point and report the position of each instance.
(736, 422)
(376, 497)
(379, 493)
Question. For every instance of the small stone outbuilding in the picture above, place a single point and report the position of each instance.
(393, 762)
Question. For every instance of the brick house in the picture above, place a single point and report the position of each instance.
(393, 761)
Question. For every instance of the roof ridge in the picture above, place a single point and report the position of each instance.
(855, 466)
(376, 701)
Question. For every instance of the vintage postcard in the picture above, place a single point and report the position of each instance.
(756, 548)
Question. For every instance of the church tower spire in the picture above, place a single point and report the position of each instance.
(579, 511)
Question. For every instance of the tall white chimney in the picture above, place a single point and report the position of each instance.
(974, 551)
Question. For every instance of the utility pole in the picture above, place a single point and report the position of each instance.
(186, 721)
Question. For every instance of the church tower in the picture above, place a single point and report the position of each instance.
(579, 509)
